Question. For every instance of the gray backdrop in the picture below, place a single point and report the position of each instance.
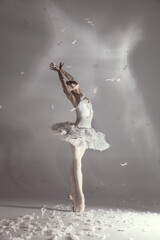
(112, 49)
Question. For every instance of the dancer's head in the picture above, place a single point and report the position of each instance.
(74, 87)
(72, 84)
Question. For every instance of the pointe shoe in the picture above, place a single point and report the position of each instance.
(81, 206)
(73, 202)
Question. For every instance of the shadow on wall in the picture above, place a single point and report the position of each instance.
(22, 174)
(27, 171)
(13, 144)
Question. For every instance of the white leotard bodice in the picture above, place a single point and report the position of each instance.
(84, 112)
(81, 133)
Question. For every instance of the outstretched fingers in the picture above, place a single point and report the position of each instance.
(53, 66)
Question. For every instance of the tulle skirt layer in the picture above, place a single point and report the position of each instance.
(81, 137)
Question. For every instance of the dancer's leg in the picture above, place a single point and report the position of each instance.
(73, 196)
(78, 153)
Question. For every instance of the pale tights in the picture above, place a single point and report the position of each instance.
(77, 195)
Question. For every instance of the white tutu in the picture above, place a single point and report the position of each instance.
(80, 133)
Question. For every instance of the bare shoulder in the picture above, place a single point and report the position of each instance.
(68, 94)
(71, 98)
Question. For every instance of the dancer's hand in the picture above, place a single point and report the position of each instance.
(61, 65)
(54, 67)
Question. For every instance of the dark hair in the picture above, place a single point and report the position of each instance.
(71, 82)
(74, 82)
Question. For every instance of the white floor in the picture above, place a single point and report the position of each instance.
(59, 222)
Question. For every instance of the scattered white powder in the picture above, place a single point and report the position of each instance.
(43, 210)
(68, 66)
(124, 164)
(74, 42)
(61, 223)
(89, 21)
(112, 79)
(63, 29)
(95, 90)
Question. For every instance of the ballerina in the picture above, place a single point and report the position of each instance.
(80, 134)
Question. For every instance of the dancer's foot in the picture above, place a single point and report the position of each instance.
(73, 202)
(81, 205)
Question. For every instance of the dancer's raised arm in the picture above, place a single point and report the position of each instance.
(69, 76)
(71, 88)
(57, 69)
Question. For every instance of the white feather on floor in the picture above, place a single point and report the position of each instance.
(59, 222)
